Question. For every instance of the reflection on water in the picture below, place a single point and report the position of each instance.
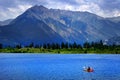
(58, 67)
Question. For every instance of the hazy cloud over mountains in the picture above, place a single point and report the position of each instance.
(105, 8)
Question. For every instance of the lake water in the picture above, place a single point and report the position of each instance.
(59, 67)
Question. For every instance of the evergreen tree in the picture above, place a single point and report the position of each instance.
(18, 46)
(92, 44)
(44, 46)
(57, 46)
(53, 46)
(66, 45)
(79, 46)
(37, 46)
(1, 46)
(70, 46)
(86, 45)
(62, 45)
(101, 43)
(48, 46)
(31, 45)
(40, 46)
(74, 45)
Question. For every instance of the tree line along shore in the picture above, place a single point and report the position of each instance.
(87, 47)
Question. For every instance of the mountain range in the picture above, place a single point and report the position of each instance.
(41, 25)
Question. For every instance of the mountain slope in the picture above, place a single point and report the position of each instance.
(26, 29)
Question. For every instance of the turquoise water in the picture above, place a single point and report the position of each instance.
(59, 67)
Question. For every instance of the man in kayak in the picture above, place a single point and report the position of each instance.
(88, 69)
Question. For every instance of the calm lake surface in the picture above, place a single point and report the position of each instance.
(59, 67)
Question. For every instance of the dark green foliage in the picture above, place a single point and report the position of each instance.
(85, 51)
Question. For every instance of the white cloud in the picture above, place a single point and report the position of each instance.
(19, 9)
(81, 1)
(105, 8)
(83, 6)
(91, 7)
(116, 13)
(24, 7)
(4, 15)
(68, 7)
(13, 12)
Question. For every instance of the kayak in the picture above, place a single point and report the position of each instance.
(90, 70)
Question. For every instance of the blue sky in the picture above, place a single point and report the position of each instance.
(105, 8)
